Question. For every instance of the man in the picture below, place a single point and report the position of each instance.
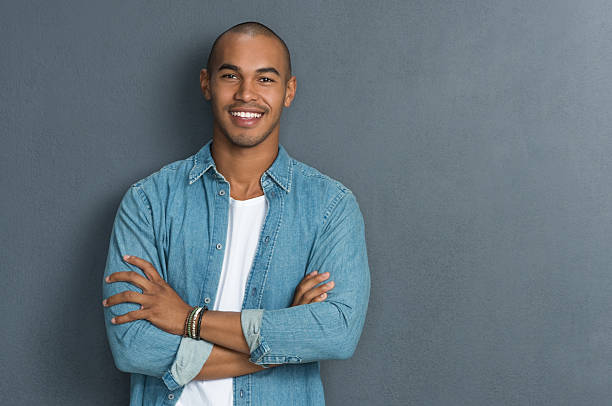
(272, 247)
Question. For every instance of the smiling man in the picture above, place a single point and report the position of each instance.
(232, 273)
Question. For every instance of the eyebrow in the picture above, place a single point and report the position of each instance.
(260, 70)
(268, 70)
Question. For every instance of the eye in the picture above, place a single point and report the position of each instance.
(229, 76)
(266, 79)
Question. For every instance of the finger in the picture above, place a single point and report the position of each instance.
(306, 284)
(128, 296)
(129, 276)
(311, 280)
(310, 275)
(129, 316)
(310, 295)
(314, 292)
(319, 298)
(146, 267)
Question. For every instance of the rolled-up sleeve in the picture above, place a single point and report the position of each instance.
(139, 346)
(328, 329)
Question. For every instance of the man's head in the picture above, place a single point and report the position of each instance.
(251, 28)
(248, 81)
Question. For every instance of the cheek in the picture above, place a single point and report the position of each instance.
(222, 95)
(275, 100)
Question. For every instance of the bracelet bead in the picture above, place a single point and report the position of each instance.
(186, 328)
(192, 331)
(201, 315)
(190, 321)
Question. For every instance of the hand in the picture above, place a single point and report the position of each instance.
(160, 304)
(307, 291)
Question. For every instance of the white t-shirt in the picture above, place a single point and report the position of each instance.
(245, 220)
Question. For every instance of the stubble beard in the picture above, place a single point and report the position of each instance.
(244, 139)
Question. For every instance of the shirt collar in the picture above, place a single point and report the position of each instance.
(281, 170)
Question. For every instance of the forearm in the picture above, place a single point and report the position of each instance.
(225, 363)
(224, 329)
(313, 332)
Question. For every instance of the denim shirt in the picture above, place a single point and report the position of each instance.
(177, 217)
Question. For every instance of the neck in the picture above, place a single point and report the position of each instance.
(242, 167)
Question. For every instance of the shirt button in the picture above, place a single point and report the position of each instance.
(267, 239)
(219, 246)
(254, 291)
(171, 396)
(221, 192)
(241, 393)
(272, 193)
(207, 300)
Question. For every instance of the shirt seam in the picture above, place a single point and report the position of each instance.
(334, 203)
(144, 200)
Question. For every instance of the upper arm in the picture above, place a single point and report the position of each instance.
(137, 346)
(328, 329)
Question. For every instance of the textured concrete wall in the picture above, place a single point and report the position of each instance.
(475, 135)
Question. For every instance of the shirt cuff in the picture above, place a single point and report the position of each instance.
(190, 358)
(250, 319)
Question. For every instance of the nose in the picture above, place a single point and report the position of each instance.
(246, 92)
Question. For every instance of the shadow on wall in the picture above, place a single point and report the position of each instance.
(75, 344)
(74, 340)
(190, 118)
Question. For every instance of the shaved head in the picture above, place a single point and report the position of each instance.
(251, 28)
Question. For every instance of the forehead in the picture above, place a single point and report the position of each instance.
(250, 52)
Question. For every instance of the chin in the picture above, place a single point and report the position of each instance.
(246, 140)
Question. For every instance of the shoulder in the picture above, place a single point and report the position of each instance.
(165, 182)
(170, 172)
(311, 183)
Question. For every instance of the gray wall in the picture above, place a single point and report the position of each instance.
(475, 135)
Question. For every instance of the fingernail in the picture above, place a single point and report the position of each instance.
(113, 320)
(323, 295)
(104, 302)
(126, 257)
(313, 273)
(107, 279)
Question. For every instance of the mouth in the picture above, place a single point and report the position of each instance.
(246, 118)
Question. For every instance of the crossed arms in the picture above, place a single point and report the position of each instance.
(164, 308)
(148, 340)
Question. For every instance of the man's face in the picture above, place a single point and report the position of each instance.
(248, 84)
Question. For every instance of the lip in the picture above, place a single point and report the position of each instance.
(247, 110)
(246, 122)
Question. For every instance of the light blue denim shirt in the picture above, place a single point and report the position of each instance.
(177, 219)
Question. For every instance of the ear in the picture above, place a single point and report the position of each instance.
(290, 91)
(205, 84)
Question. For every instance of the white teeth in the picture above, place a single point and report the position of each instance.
(245, 114)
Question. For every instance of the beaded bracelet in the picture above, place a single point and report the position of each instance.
(204, 310)
(188, 322)
(193, 322)
(192, 330)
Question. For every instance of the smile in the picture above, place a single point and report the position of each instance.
(245, 114)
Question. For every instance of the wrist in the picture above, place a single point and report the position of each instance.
(193, 322)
